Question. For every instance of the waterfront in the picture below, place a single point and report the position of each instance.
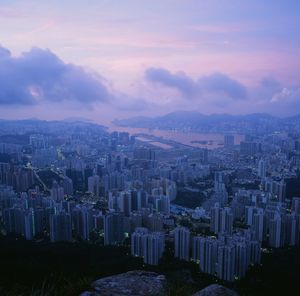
(158, 137)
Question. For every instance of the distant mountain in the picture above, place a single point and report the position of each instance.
(77, 119)
(29, 126)
(295, 118)
(195, 121)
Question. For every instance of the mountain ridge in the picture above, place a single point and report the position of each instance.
(197, 121)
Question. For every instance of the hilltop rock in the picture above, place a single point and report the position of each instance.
(216, 290)
(133, 283)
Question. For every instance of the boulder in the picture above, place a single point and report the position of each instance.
(216, 290)
(133, 283)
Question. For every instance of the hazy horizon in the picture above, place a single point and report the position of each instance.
(112, 124)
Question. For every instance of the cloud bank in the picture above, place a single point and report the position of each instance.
(223, 84)
(39, 75)
(180, 81)
(39, 78)
(217, 83)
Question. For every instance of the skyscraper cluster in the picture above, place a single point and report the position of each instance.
(215, 207)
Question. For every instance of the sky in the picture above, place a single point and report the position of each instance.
(110, 59)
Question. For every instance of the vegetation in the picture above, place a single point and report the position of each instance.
(48, 176)
(188, 198)
(278, 275)
(43, 268)
(63, 268)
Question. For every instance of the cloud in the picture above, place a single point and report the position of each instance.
(223, 84)
(39, 75)
(217, 84)
(180, 80)
(287, 95)
(264, 90)
(270, 83)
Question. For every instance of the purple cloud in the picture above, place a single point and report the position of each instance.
(180, 81)
(39, 75)
(223, 84)
(270, 83)
(217, 83)
(287, 95)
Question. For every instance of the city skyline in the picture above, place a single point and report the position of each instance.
(107, 60)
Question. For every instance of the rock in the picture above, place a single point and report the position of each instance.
(133, 283)
(216, 290)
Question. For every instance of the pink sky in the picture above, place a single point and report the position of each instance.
(248, 41)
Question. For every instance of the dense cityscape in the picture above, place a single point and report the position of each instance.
(78, 182)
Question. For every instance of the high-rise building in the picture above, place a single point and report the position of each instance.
(136, 202)
(221, 219)
(277, 231)
(154, 222)
(226, 262)
(292, 229)
(249, 148)
(208, 255)
(150, 246)
(144, 153)
(254, 252)
(29, 224)
(60, 227)
(279, 190)
(228, 141)
(82, 222)
(241, 259)
(94, 184)
(113, 228)
(182, 243)
(124, 203)
(155, 246)
(262, 169)
(220, 188)
(227, 257)
(258, 224)
(204, 156)
(67, 184)
(296, 205)
(14, 220)
(57, 192)
(196, 248)
(163, 205)
(249, 212)
(138, 239)
(98, 221)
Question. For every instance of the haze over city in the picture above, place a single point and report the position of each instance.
(103, 60)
